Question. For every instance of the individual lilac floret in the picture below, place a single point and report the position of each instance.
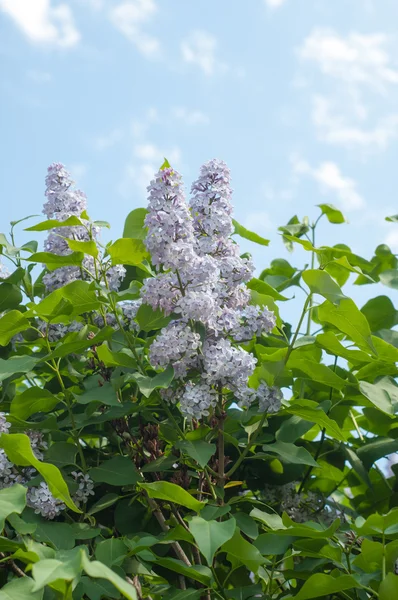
(115, 276)
(43, 502)
(224, 364)
(37, 443)
(170, 238)
(64, 201)
(4, 424)
(176, 345)
(56, 331)
(269, 398)
(4, 272)
(85, 489)
(197, 399)
(60, 193)
(210, 203)
(253, 321)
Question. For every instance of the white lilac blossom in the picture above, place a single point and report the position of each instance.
(299, 506)
(201, 279)
(37, 443)
(225, 364)
(197, 399)
(85, 488)
(4, 424)
(176, 345)
(4, 272)
(64, 201)
(43, 502)
(57, 331)
(170, 236)
(269, 398)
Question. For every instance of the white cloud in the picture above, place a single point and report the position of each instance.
(190, 117)
(200, 49)
(147, 158)
(274, 3)
(338, 127)
(78, 171)
(392, 240)
(258, 221)
(43, 23)
(38, 76)
(130, 17)
(357, 59)
(108, 140)
(331, 180)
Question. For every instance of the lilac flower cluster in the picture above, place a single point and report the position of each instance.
(39, 497)
(201, 279)
(64, 201)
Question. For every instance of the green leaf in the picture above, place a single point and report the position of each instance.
(238, 549)
(248, 235)
(89, 247)
(10, 296)
(10, 324)
(20, 589)
(97, 570)
(119, 471)
(388, 588)
(96, 590)
(311, 411)
(348, 319)
(319, 585)
(290, 453)
(375, 449)
(80, 294)
(103, 503)
(128, 251)
(18, 449)
(134, 226)
(380, 313)
(148, 384)
(15, 365)
(199, 450)
(53, 223)
(163, 490)
(12, 500)
(333, 214)
(321, 283)
(55, 261)
(377, 395)
(273, 544)
(50, 570)
(271, 520)
(149, 319)
(329, 342)
(390, 278)
(104, 394)
(115, 359)
(62, 454)
(111, 552)
(357, 465)
(316, 372)
(197, 573)
(31, 401)
(77, 346)
(211, 535)
(262, 287)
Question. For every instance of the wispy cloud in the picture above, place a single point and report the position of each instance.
(274, 3)
(359, 76)
(356, 59)
(146, 160)
(347, 128)
(331, 180)
(189, 117)
(200, 50)
(130, 18)
(43, 23)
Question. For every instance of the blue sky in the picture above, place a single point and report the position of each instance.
(299, 97)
